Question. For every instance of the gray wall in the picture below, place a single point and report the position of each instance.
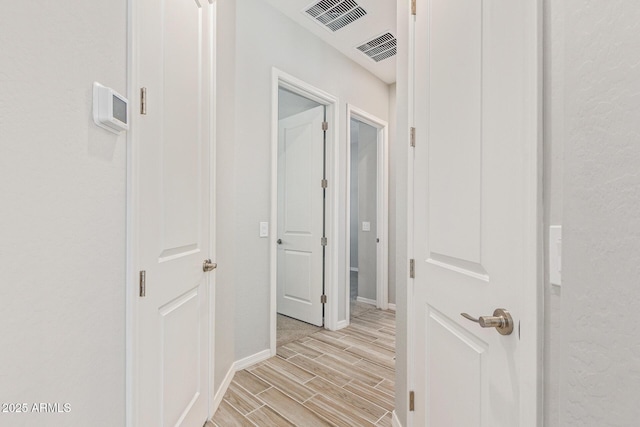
(63, 186)
(353, 202)
(367, 210)
(290, 104)
(265, 38)
(601, 243)
(226, 210)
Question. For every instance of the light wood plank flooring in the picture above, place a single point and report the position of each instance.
(344, 378)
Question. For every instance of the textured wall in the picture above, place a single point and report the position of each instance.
(62, 215)
(601, 236)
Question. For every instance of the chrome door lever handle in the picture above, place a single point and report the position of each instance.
(468, 317)
(501, 320)
(207, 265)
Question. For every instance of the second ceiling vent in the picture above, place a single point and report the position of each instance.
(336, 14)
(379, 48)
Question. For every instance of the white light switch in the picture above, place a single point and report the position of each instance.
(555, 255)
(366, 226)
(264, 229)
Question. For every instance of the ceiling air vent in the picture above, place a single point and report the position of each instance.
(382, 47)
(335, 14)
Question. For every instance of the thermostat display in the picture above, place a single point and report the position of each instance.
(110, 109)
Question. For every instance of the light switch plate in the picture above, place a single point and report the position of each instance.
(264, 229)
(555, 255)
(366, 226)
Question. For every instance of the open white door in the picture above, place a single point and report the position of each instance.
(300, 216)
(171, 214)
(475, 213)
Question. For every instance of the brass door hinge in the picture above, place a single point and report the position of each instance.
(412, 268)
(325, 125)
(143, 283)
(413, 7)
(412, 401)
(324, 183)
(323, 299)
(412, 140)
(143, 101)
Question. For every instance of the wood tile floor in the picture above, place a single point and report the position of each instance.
(344, 378)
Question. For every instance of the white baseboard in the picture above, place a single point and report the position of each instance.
(354, 269)
(392, 307)
(241, 364)
(395, 422)
(367, 301)
(238, 365)
(342, 324)
(217, 398)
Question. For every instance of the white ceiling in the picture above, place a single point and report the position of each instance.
(380, 18)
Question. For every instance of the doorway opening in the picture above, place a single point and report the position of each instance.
(367, 202)
(303, 246)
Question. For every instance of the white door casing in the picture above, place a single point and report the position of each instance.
(280, 79)
(300, 215)
(170, 360)
(476, 224)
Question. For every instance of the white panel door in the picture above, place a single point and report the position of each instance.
(300, 216)
(172, 195)
(475, 172)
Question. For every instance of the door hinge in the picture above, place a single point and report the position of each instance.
(412, 401)
(413, 7)
(323, 241)
(323, 299)
(143, 283)
(412, 268)
(324, 183)
(143, 101)
(412, 139)
(325, 125)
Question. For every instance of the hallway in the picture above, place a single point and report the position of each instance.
(342, 378)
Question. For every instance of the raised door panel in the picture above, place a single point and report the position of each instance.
(181, 122)
(171, 176)
(455, 134)
(300, 216)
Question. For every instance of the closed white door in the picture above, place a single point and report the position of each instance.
(172, 173)
(475, 213)
(300, 216)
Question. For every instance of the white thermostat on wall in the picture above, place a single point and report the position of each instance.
(110, 109)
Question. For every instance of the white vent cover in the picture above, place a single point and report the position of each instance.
(381, 47)
(335, 14)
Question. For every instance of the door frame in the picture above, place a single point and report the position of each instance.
(382, 206)
(132, 208)
(281, 79)
(531, 366)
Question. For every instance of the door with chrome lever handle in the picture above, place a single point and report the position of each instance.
(501, 320)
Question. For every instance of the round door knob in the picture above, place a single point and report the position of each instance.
(207, 265)
(279, 241)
